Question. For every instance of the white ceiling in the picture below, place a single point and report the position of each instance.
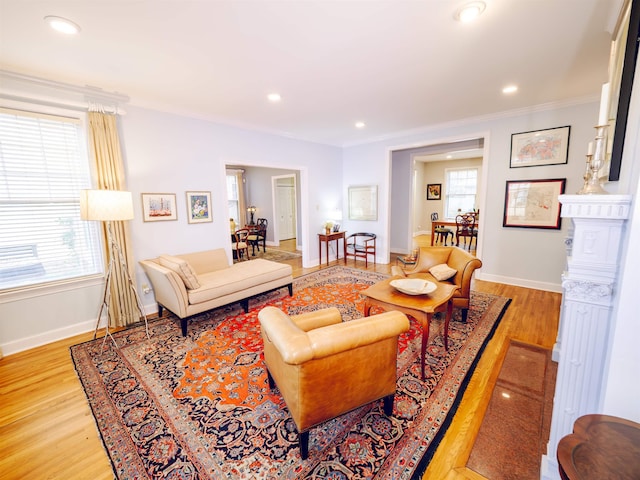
(396, 65)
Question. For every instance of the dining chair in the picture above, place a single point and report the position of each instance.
(240, 246)
(467, 228)
(441, 231)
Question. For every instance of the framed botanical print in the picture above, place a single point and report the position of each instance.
(199, 207)
(434, 191)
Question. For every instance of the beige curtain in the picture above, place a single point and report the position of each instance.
(105, 145)
(242, 202)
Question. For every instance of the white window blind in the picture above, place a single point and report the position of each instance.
(43, 167)
(461, 186)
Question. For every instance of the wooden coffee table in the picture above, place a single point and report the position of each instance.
(420, 307)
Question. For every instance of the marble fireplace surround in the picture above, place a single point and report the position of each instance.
(589, 287)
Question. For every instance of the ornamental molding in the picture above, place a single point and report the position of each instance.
(587, 291)
(611, 207)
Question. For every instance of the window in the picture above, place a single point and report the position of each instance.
(233, 197)
(43, 167)
(461, 186)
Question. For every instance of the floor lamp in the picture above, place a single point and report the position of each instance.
(108, 206)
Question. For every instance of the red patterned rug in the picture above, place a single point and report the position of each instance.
(200, 407)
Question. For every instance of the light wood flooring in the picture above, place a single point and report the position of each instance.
(47, 429)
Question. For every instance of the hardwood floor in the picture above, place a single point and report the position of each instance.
(47, 429)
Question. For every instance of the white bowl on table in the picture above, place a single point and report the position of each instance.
(413, 286)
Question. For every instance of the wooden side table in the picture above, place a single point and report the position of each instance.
(328, 237)
(600, 447)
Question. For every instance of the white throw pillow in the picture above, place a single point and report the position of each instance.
(442, 272)
(182, 268)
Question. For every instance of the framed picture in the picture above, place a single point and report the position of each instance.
(199, 207)
(540, 147)
(363, 202)
(622, 68)
(533, 203)
(433, 191)
(157, 207)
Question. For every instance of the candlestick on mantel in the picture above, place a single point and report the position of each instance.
(603, 119)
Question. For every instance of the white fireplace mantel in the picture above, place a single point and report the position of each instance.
(589, 289)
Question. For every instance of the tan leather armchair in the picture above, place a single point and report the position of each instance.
(325, 367)
(456, 258)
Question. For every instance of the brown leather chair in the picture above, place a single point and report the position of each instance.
(325, 367)
(454, 257)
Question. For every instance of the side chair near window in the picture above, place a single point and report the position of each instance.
(240, 245)
(361, 245)
(467, 228)
(258, 235)
(446, 265)
(442, 232)
(313, 357)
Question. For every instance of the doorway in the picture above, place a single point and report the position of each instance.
(410, 210)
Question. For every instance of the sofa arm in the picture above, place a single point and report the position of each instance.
(356, 333)
(397, 271)
(319, 318)
(168, 287)
(278, 329)
(429, 257)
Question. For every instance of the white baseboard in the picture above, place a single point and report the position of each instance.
(43, 338)
(26, 343)
(520, 282)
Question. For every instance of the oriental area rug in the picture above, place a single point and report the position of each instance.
(200, 406)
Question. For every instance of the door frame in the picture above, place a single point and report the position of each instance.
(485, 135)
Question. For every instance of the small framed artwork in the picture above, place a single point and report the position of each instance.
(199, 207)
(533, 203)
(157, 207)
(363, 202)
(433, 191)
(540, 147)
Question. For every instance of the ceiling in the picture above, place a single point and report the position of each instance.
(396, 65)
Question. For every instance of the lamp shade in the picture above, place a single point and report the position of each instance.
(105, 205)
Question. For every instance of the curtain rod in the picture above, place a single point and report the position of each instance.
(91, 93)
(65, 104)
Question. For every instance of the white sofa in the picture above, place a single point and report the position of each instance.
(193, 283)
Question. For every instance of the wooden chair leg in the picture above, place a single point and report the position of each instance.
(303, 441)
(388, 404)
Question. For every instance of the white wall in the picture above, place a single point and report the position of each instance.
(522, 256)
(166, 153)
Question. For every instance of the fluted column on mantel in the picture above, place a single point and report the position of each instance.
(589, 289)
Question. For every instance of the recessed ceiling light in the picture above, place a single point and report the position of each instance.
(360, 125)
(510, 89)
(469, 12)
(62, 25)
(274, 97)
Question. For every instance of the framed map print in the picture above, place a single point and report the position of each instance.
(533, 203)
(540, 147)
